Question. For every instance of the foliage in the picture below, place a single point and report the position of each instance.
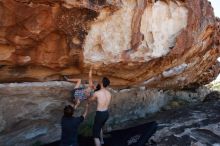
(86, 127)
(37, 143)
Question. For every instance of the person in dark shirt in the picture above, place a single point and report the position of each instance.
(70, 125)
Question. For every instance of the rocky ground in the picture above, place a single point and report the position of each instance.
(193, 125)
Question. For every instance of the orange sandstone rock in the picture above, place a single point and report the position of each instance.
(163, 44)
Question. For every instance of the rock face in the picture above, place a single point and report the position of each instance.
(31, 112)
(163, 44)
(197, 125)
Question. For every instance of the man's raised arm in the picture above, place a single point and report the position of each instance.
(93, 97)
(90, 78)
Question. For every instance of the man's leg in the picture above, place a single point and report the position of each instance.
(101, 137)
(101, 132)
(97, 142)
(97, 128)
(100, 120)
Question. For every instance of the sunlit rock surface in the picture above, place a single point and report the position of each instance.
(31, 112)
(196, 125)
(163, 44)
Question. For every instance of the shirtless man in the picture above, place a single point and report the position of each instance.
(103, 98)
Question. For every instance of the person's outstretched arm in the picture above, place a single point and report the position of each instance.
(90, 78)
(77, 81)
(86, 110)
(93, 97)
(80, 119)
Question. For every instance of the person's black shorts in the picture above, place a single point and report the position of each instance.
(100, 119)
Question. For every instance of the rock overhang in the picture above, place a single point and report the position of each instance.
(133, 42)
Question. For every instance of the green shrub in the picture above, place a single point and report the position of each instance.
(86, 128)
(37, 143)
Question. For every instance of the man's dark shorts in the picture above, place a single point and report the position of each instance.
(100, 119)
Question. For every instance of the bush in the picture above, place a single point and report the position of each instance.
(37, 143)
(86, 128)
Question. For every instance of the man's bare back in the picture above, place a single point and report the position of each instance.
(103, 99)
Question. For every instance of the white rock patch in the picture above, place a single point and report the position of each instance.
(175, 70)
(109, 36)
(160, 25)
